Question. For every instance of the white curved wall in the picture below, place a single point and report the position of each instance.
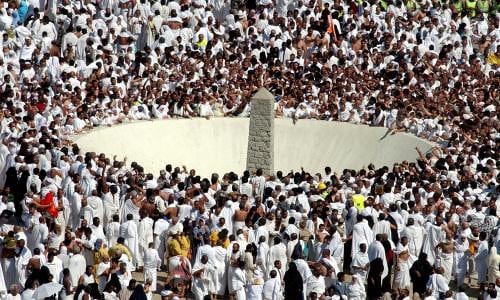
(220, 144)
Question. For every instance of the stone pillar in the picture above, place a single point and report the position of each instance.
(260, 153)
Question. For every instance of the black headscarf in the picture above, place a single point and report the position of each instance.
(293, 283)
(138, 293)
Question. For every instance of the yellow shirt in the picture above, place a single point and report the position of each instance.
(493, 59)
(121, 248)
(174, 248)
(98, 255)
(184, 245)
(359, 201)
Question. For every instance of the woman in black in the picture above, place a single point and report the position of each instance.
(293, 283)
(420, 272)
(374, 290)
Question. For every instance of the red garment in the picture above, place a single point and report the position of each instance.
(49, 200)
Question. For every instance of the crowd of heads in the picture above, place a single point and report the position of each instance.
(429, 68)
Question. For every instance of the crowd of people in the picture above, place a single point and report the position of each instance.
(83, 222)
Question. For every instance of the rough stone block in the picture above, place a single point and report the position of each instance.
(260, 152)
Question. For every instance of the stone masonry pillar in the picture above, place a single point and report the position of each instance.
(260, 153)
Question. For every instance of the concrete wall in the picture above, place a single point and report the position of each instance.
(220, 144)
(260, 154)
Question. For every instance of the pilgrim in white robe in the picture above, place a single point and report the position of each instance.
(37, 235)
(21, 264)
(3, 286)
(207, 250)
(276, 252)
(86, 181)
(262, 255)
(445, 260)
(145, 234)
(129, 208)
(435, 235)
(128, 231)
(4, 151)
(111, 206)
(237, 283)
(9, 268)
(77, 266)
(102, 278)
(415, 235)
(356, 290)
(361, 234)
(382, 227)
(305, 272)
(152, 262)
(316, 284)
(76, 205)
(55, 267)
(336, 247)
(377, 250)
(201, 284)
(437, 284)
(460, 260)
(481, 261)
(493, 264)
(272, 289)
(112, 233)
(220, 262)
(255, 285)
(161, 227)
(402, 279)
(95, 203)
(358, 262)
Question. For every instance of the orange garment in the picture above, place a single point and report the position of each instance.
(49, 200)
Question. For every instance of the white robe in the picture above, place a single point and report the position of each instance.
(272, 289)
(152, 262)
(3, 286)
(77, 266)
(305, 273)
(111, 206)
(445, 261)
(434, 236)
(276, 252)
(361, 234)
(237, 283)
(377, 250)
(4, 151)
(356, 291)
(415, 235)
(437, 284)
(220, 262)
(97, 206)
(145, 234)
(402, 278)
(481, 261)
(9, 268)
(207, 250)
(161, 227)
(382, 227)
(21, 265)
(359, 261)
(460, 261)
(55, 267)
(37, 235)
(112, 233)
(201, 285)
(102, 280)
(128, 231)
